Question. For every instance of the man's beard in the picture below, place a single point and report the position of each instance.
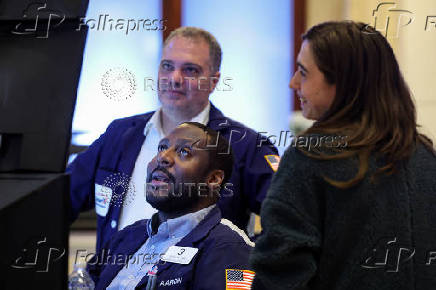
(173, 198)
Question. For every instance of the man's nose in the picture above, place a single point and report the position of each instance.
(176, 78)
(165, 159)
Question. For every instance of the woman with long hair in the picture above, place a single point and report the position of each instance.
(353, 207)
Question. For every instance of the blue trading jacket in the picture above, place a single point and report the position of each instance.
(219, 248)
(114, 153)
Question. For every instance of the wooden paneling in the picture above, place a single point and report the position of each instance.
(299, 28)
(172, 13)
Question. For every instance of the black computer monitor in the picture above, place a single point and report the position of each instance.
(38, 87)
(40, 64)
(38, 84)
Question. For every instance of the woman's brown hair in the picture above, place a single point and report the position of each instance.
(373, 106)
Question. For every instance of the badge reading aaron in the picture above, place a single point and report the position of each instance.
(273, 161)
(239, 279)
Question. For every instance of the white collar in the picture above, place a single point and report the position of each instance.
(156, 121)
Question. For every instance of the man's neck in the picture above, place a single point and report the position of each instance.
(169, 122)
(164, 216)
(170, 119)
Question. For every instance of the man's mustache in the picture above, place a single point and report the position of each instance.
(165, 171)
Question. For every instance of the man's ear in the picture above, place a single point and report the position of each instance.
(213, 80)
(215, 177)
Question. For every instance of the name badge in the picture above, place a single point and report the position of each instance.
(179, 255)
(103, 195)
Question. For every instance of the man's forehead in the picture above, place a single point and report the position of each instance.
(184, 48)
(187, 42)
(188, 134)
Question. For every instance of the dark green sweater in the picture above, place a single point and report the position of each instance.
(316, 236)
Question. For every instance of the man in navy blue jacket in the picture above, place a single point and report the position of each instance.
(109, 175)
(186, 244)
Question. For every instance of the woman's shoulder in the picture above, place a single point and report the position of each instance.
(317, 160)
(313, 147)
(297, 160)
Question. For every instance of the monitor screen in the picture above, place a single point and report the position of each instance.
(38, 86)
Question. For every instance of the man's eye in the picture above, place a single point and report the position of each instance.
(166, 66)
(191, 70)
(184, 152)
(161, 148)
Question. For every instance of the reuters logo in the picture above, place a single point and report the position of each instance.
(118, 84)
(123, 191)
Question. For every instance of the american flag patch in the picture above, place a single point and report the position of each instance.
(239, 279)
(273, 161)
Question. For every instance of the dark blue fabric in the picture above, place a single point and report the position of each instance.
(219, 248)
(117, 149)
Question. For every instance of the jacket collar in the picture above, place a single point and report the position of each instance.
(200, 232)
(217, 120)
(156, 122)
(202, 229)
